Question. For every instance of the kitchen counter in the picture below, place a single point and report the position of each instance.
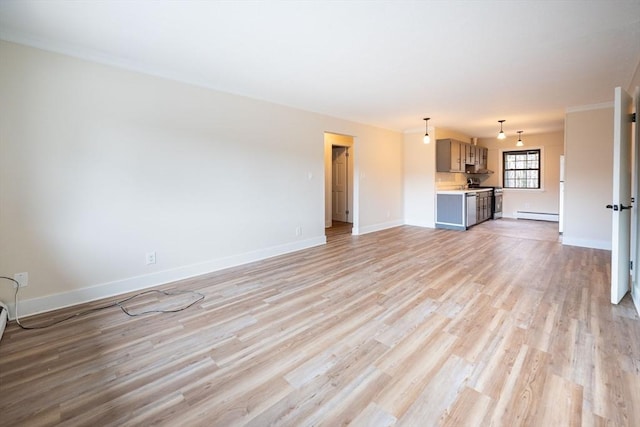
(463, 208)
(470, 190)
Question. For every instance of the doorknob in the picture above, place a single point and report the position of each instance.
(609, 206)
(623, 207)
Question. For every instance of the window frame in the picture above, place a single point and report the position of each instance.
(540, 169)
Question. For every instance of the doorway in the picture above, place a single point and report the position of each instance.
(339, 183)
(340, 189)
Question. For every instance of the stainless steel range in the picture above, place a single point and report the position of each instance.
(496, 204)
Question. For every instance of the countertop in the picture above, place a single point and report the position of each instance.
(461, 192)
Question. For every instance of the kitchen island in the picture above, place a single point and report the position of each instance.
(461, 209)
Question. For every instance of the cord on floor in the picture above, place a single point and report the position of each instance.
(119, 303)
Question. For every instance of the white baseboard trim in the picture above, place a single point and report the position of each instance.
(539, 216)
(3, 317)
(419, 223)
(29, 307)
(377, 227)
(586, 243)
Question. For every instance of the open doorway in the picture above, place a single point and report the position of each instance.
(339, 184)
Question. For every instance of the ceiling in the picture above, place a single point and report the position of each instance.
(465, 64)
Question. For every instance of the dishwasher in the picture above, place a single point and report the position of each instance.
(471, 205)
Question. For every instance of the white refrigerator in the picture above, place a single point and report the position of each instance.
(561, 204)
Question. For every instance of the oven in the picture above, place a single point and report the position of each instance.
(496, 205)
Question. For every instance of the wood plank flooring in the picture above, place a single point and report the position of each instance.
(404, 327)
(338, 228)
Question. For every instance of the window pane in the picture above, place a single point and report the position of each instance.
(521, 169)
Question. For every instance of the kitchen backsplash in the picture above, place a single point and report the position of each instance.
(450, 181)
(454, 180)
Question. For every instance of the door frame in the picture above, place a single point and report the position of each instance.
(336, 139)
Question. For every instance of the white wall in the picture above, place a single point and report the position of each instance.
(100, 165)
(588, 176)
(545, 200)
(635, 80)
(419, 179)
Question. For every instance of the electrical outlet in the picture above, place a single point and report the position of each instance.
(22, 279)
(150, 258)
(298, 231)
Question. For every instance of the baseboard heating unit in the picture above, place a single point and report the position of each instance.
(4, 317)
(540, 216)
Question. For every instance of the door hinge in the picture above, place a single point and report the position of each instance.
(347, 212)
(630, 265)
(633, 117)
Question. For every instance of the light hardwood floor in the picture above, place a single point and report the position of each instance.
(499, 325)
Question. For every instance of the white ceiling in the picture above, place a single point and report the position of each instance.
(465, 64)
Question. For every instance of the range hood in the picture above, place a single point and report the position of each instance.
(479, 172)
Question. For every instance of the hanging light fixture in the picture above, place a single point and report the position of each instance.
(519, 143)
(501, 135)
(426, 138)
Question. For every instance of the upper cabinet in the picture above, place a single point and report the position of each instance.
(449, 156)
(483, 155)
(457, 156)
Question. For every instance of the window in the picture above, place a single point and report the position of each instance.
(521, 169)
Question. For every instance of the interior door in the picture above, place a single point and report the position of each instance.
(339, 183)
(621, 222)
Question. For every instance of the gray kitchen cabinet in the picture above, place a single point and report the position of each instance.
(461, 209)
(451, 210)
(483, 154)
(468, 154)
(450, 155)
(483, 207)
(471, 158)
(457, 156)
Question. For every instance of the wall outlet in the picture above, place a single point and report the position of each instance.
(150, 258)
(298, 231)
(22, 279)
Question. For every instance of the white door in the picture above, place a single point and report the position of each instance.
(339, 184)
(635, 224)
(621, 222)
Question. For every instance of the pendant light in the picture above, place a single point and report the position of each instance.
(519, 143)
(426, 138)
(501, 135)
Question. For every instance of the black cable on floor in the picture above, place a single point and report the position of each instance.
(113, 304)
